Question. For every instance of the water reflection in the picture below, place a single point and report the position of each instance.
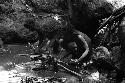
(13, 67)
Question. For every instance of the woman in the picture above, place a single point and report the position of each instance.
(78, 44)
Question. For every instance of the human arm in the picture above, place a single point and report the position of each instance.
(86, 48)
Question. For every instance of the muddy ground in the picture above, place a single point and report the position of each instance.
(12, 64)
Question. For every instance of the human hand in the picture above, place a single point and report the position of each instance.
(74, 60)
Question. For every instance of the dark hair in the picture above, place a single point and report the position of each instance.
(30, 24)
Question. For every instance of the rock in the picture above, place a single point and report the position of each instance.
(85, 14)
(12, 29)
